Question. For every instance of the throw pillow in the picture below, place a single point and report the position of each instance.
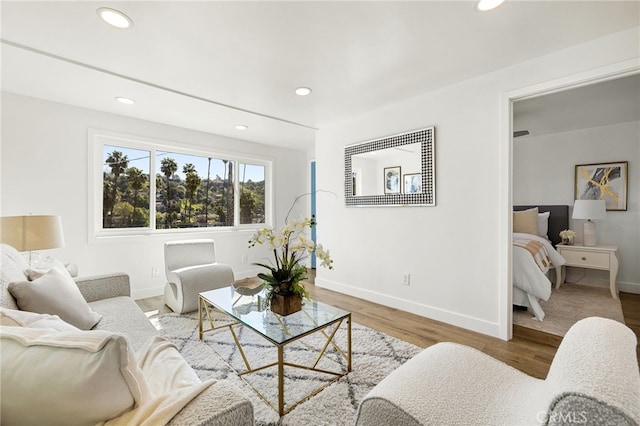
(56, 294)
(526, 221)
(13, 317)
(543, 224)
(67, 377)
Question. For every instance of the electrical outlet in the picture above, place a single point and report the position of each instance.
(406, 278)
(245, 258)
(155, 272)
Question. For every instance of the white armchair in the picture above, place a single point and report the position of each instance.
(593, 380)
(191, 268)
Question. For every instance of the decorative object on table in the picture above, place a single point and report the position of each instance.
(603, 181)
(290, 247)
(392, 180)
(589, 209)
(285, 305)
(248, 286)
(413, 183)
(28, 233)
(567, 236)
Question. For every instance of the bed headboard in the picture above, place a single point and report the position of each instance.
(558, 219)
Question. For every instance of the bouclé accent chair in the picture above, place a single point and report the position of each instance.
(191, 268)
(593, 380)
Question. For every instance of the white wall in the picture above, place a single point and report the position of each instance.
(543, 173)
(368, 180)
(45, 170)
(455, 251)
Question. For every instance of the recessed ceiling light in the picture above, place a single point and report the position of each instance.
(115, 18)
(126, 101)
(303, 91)
(241, 127)
(486, 5)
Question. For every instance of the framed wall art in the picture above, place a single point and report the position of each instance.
(603, 181)
(412, 183)
(392, 180)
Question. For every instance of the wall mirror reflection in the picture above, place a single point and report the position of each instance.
(396, 170)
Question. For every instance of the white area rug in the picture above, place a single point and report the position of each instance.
(374, 356)
(569, 304)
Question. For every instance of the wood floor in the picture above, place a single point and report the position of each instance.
(529, 351)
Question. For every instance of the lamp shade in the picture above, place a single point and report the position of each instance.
(589, 209)
(26, 233)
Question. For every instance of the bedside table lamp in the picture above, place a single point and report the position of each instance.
(589, 209)
(28, 233)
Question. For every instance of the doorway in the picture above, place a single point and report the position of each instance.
(508, 100)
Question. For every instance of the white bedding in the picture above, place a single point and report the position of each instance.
(530, 283)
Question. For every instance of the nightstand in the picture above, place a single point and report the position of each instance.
(596, 257)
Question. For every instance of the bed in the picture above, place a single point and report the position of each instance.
(530, 268)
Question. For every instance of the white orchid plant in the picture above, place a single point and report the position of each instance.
(567, 234)
(290, 246)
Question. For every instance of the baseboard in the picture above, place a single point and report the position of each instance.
(602, 281)
(449, 317)
(629, 287)
(143, 293)
(593, 278)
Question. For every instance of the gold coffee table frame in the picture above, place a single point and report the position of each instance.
(204, 314)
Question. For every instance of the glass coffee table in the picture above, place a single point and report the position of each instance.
(247, 307)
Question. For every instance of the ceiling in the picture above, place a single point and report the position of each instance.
(602, 104)
(210, 66)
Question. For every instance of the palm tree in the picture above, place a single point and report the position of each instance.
(107, 202)
(206, 196)
(227, 193)
(136, 180)
(188, 168)
(230, 195)
(168, 167)
(118, 164)
(224, 191)
(247, 203)
(192, 183)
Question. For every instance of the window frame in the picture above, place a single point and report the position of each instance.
(99, 138)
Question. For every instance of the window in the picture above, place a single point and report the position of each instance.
(189, 189)
(193, 191)
(125, 187)
(252, 193)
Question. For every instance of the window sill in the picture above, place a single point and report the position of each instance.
(111, 236)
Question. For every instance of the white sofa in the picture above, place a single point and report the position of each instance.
(122, 323)
(593, 380)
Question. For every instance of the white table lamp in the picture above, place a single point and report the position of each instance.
(589, 209)
(28, 233)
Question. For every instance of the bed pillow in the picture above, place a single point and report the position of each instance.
(526, 221)
(55, 293)
(91, 375)
(16, 318)
(543, 225)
